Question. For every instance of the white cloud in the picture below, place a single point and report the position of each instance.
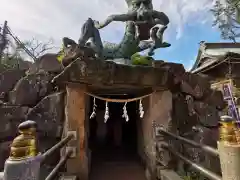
(58, 18)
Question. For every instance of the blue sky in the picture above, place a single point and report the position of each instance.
(185, 49)
(190, 22)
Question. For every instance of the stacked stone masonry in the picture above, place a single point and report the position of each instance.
(180, 101)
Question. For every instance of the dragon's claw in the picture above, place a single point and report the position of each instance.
(165, 44)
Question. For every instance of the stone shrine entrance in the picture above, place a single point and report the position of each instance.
(114, 144)
(112, 150)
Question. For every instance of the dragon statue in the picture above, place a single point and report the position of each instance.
(144, 31)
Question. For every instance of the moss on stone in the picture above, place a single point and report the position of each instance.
(138, 59)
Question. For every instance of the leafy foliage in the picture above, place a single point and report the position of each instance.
(227, 18)
(138, 59)
(11, 62)
(14, 55)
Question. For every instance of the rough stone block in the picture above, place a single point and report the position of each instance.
(207, 115)
(195, 85)
(4, 153)
(11, 116)
(215, 98)
(30, 89)
(49, 115)
(48, 62)
(8, 79)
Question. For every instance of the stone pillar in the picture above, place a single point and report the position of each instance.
(157, 113)
(75, 121)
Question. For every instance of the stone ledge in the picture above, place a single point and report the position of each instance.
(87, 71)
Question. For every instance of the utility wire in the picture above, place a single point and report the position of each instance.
(19, 42)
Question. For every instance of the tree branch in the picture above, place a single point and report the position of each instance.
(38, 48)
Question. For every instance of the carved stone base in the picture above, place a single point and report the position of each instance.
(73, 54)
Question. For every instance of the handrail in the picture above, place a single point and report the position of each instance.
(28, 164)
(61, 163)
(57, 146)
(196, 166)
(63, 160)
(205, 148)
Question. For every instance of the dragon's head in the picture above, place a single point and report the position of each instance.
(141, 7)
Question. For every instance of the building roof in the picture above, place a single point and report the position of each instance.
(210, 54)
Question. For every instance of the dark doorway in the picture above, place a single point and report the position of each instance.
(114, 149)
(118, 138)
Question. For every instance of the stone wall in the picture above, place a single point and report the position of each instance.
(158, 112)
(194, 115)
(189, 108)
(31, 96)
(185, 105)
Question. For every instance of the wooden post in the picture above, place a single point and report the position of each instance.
(229, 160)
(75, 119)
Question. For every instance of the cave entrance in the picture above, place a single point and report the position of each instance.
(114, 144)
